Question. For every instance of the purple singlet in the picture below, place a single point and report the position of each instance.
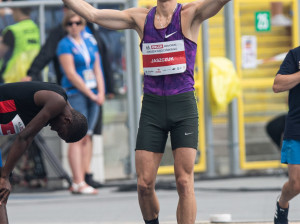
(168, 57)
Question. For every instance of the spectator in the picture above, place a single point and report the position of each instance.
(21, 43)
(278, 17)
(83, 80)
(48, 54)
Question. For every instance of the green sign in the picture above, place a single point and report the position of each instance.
(263, 21)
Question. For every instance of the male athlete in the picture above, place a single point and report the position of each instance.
(168, 34)
(25, 108)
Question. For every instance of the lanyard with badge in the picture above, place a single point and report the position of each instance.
(88, 74)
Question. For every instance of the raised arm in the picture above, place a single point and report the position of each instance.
(110, 18)
(205, 9)
(194, 13)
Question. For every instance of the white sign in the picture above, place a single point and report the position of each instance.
(249, 52)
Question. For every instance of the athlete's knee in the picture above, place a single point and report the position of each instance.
(295, 184)
(184, 186)
(145, 187)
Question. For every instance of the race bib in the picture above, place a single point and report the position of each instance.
(90, 78)
(13, 127)
(164, 58)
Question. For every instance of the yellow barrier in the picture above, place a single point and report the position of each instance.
(258, 83)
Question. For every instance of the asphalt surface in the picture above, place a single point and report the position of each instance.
(244, 200)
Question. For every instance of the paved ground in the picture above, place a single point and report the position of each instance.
(249, 199)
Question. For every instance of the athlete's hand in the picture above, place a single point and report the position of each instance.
(5, 189)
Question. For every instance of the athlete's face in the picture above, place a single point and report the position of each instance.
(59, 125)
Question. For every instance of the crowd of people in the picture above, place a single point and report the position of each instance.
(72, 107)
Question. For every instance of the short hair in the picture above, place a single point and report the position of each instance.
(70, 14)
(25, 10)
(77, 128)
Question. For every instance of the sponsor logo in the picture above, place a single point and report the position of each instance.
(168, 35)
(20, 126)
(188, 133)
(158, 71)
(159, 46)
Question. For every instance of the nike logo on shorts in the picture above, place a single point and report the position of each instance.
(189, 133)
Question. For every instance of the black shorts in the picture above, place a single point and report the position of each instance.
(177, 114)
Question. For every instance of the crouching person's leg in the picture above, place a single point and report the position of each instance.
(5, 189)
(3, 214)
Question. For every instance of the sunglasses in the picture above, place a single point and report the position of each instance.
(71, 23)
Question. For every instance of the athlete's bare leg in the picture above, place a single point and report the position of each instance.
(292, 187)
(4, 194)
(3, 214)
(184, 159)
(147, 164)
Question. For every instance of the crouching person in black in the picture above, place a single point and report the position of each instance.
(25, 108)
